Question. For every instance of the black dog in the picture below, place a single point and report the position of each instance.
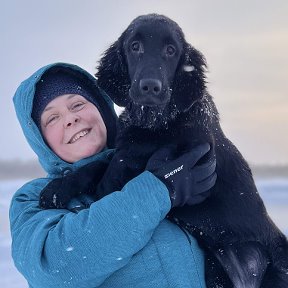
(159, 78)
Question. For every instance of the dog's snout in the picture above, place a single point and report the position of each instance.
(150, 87)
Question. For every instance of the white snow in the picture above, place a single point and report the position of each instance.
(188, 68)
(10, 277)
(274, 192)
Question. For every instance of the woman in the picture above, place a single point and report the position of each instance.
(122, 240)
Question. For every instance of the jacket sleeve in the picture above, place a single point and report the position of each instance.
(58, 248)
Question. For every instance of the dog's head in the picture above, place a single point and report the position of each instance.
(152, 71)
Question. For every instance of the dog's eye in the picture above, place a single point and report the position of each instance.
(170, 50)
(135, 46)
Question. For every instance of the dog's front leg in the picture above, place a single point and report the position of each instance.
(122, 168)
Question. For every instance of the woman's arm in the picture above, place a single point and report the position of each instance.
(56, 247)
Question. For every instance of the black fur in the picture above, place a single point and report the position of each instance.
(159, 78)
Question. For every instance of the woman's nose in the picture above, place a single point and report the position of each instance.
(71, 120)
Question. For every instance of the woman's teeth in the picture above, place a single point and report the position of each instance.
(78, 136)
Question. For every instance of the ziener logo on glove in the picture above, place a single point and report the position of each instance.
(173, 172)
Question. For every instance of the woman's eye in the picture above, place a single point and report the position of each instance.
(77, 106)
(51, 119)
(170, 50)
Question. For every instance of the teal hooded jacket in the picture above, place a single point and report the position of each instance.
(122, 240)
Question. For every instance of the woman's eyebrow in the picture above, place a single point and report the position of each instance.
(72, 95)
(47, 109)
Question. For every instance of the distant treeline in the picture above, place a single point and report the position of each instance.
(32, 169)
(20, 169)
(269, 171)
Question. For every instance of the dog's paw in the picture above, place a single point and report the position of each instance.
(53, 195)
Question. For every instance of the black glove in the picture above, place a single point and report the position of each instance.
(187, 182)
(58, 192)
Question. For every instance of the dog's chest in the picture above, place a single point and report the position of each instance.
(150, 140)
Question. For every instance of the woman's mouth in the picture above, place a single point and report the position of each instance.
(78, 135)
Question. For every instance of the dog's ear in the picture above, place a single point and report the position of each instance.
(113, 75)
(190, 82)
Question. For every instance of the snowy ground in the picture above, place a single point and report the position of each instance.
(274, 193)
(10, 278)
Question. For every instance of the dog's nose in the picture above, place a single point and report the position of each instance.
(150, 87)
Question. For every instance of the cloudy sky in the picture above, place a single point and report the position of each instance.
(245, 43)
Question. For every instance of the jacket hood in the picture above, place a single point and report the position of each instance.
(23, 103)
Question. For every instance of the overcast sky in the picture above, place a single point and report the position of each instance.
(245, 44)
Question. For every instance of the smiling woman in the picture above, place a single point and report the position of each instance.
(66, 113)
(102, 242)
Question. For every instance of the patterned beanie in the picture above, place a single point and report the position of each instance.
(60, 81)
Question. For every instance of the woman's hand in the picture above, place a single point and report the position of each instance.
(187, 182)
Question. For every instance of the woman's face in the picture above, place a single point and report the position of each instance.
(73, 127)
